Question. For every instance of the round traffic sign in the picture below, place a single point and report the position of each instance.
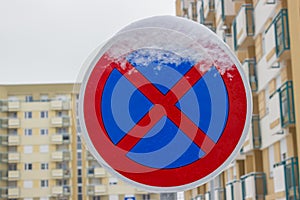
(163, 107)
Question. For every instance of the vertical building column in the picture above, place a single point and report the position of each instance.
(293, 21)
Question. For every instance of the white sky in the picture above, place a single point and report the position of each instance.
(45, 41)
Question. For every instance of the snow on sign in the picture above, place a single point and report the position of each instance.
(164, 104)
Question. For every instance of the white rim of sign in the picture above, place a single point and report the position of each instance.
(163, 23)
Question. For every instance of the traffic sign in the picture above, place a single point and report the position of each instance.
(166, 113)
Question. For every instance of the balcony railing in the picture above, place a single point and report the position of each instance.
(282, 37)
(220, 194)
(256, 134)
(13, 140)
(287, 109)
(199, 197)
(63, 138)
(96, 189)
(254, 186)
(61, 173)
(13, 175)
(233, 190)
(4, 157)
(9, 123)
(60, 105)
(63, 121)
(243, 27)
(61, 156)
(3, 175)
(208, 10)
(286, 178)
(3, 106)
(64, 190)
(3, 140)
(9, 193)
(13, 157)
(96, 172)
(6, 105)
(249, 66)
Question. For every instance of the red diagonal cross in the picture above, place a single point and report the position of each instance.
(163, 105)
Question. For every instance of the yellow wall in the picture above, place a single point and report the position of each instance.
(294, 28)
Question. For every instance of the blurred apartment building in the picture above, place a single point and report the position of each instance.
(264, 34)
(42, 156)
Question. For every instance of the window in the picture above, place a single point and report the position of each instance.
(283, 149)
(113, 181)
(79, 172)
(28, 115)
(44, 131)
(27, 149)
(44, 114)
(27, 131)
(44, 97)
(79, 180)
(12, 166)
(28, 98)
(27, 184)
(44, 148)
(28, 166)
(146, 196)
(78, 155)
(80, 189)
(44, 166)
(271, 160)
(44, 183)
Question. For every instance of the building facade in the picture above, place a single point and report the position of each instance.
(264, 34)
(42, 156)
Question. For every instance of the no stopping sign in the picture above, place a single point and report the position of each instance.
(164, 104)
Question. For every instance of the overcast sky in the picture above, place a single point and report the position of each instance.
(45, 41)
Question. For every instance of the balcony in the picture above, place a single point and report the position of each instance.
(63, 121)
(60, 156)
(3, 140)
(96, 172)
(3, 175)
(3, 106)
(228, 40)
(9, 123)
(282, 38)
(13, 140)
(220, 194)
(9, 193)
(60, 105)
(3, 157)
(64, 190)
(233, 190)
(225, 11)
(286, 178)
(61, 173)
(254, 140)
(243, 28)
(254, 186)
(285, 95)
(13, 157)
(287, 109)
(249, 67)
(208, 10)
(93, 190)
(13, 175)
(63, 138)
(90, 156)
(199, 197)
